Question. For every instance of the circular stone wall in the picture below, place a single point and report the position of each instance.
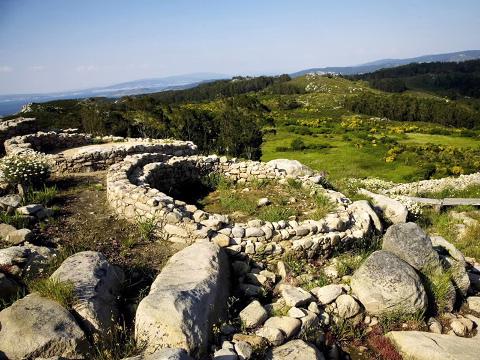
(133, 192)
(77, 152)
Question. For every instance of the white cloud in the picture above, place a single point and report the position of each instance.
(36, 68)
(86, 68)
(5, 69)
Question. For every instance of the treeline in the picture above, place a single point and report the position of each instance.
(410, 108)
(450, 79)
(233, 129)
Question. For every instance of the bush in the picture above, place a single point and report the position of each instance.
(28, 170)
(297, 144)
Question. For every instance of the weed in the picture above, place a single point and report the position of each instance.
(294, 183)
(62, 292)
(320, 280)
(323, 206)
(128, 242)
(346, 330)
(349, 262)
(294, 264)
(146, 228)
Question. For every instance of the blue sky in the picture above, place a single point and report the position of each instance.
(50, 45)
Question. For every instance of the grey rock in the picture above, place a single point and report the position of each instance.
(410, 243)
(327, 294)
(19, 236)
(12, 200)
(274, 335)
(295, 350)
(30, 209)
(244, 350)
(347, 307)
(186, 299)
(385, 283)
(39, 327)
(96, 284)
(289, 326)
(391, 209)
(291, 167)
(6, 229)
(163, 354)
(474, 303)
(417, 345)
(295, 296)
(254, 232)
(253, 315)
(8, 287)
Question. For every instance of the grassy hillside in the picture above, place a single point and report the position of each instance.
(309, 118)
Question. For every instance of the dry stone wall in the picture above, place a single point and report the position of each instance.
(136, 189)
(15, 127)
(94, 159)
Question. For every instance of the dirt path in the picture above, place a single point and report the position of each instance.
(85, 222)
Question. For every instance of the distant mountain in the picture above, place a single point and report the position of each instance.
(389, 63)
(10, 104)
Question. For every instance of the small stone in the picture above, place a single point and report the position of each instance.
(255, 341)
(296, 313)
(347, 307)
(225, 354)
(281, 269)
(295, 296)
(30, 209)
(253, 315)
(19, 236)
(474, 303)
(221, 240)
(6, 229)
(244, 350)
(313, 307)
(238, 232)
(240, 267)
(254, 232)
(458, 328)
(251, 290)
(263, 202)
(273, 335)
(434, 326)
(467, 322)
(327, 294)
(289, 326)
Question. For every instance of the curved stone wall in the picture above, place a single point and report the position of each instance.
(133, 192)
(77, 152)
(15, 127)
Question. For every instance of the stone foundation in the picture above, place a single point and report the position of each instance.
(99, 157)
(137, 186)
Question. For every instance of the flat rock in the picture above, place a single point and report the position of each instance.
(295, 296)
(327, 294)
(295, 350)
(274, 335)
(417, 345)
(385, 282)
(253, 315)
(6, 229)
(96, 284)
(38, 327)
(411, 244)
(163, 354)
(291, 167)
(12, 200)
(186, 299)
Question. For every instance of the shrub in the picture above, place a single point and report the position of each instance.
(439, 288)
(28, 170)
(294, 264)
(146, 228)
(297, 145)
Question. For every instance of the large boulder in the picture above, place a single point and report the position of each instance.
(295, 350)
(411, 244)
(417, 345)
(96, 284)
(37, 327)
(391, 209)
(185, 300)
(386, 283)
(291, 167)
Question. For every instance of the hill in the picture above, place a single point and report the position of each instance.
(390, 63)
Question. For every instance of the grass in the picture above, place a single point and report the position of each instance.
(349, 262)
(294, 264)
(15, 220)
(121, 343)
(439, 287)
(61, 292)
(394, 320)
(472, 191)
(45, 196)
